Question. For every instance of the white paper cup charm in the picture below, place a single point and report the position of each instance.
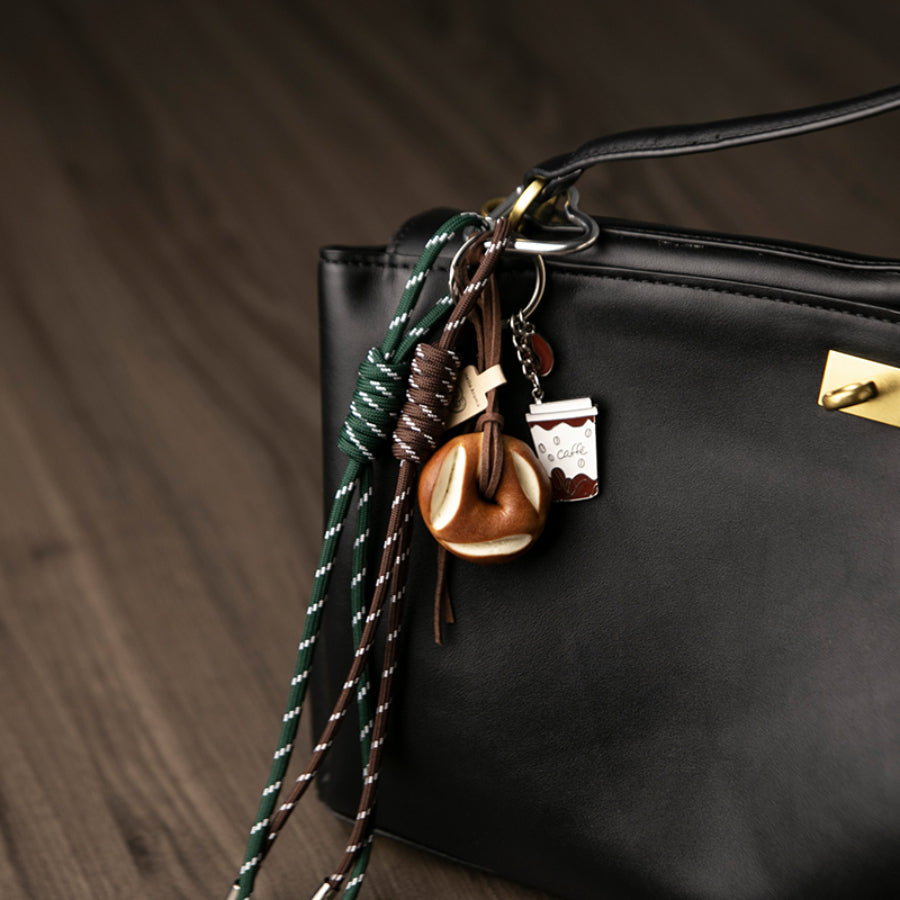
(564, 434)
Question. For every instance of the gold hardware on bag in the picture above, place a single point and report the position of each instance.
(861, 387)
(526, 198)
(556, 216)
(547, 213)
(850, 395)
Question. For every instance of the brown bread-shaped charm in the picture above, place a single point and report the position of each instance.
(463, 520)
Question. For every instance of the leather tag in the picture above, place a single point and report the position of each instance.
(471, 392)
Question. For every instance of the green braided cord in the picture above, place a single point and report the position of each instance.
(432, 250)
(358, 601)
(291, 718)
(354, 883)
(366, 432)
(363, 700)
(430, 320)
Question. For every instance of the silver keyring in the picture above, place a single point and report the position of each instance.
(454, 263)
(540, 283)
(540, 271)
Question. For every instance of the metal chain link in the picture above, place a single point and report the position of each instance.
(522, 332)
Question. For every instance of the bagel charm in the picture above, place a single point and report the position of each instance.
(465, 522)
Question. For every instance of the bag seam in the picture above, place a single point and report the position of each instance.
(365, 263)
(664, 240)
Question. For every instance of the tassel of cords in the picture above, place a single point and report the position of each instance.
(364, 436)
(420, 425)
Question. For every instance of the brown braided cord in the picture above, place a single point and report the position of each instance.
(419, 427)
(422, 420)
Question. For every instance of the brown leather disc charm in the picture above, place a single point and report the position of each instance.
(465, 522)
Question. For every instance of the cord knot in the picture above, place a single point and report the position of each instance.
(373, 410)
(423, 419)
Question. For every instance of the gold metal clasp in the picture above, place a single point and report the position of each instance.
(850, 395)
(861, 387)
(529, 194)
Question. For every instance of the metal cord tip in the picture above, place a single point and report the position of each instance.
(234, 893)
(325, 891)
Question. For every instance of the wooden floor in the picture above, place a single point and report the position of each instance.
(168, 169)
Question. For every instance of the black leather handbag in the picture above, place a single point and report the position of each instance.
(690, 687)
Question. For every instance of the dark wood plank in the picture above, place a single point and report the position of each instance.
(168, 171)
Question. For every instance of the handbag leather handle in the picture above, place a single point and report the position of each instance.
(561, 171)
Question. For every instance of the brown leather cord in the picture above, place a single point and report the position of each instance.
(487, 321)
(443, 603)
(490, 423)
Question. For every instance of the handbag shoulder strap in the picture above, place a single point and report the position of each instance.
(561, 171)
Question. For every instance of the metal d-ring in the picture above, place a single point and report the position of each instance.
(527, 196)
(590, 232)
(522, 198)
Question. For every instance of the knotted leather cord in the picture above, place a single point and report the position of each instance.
(363, 437)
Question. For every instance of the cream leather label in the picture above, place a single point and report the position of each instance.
(471, 392)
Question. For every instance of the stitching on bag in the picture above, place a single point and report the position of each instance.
(733, 293)
(362, 262)
(664, 240)
(400, 236)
